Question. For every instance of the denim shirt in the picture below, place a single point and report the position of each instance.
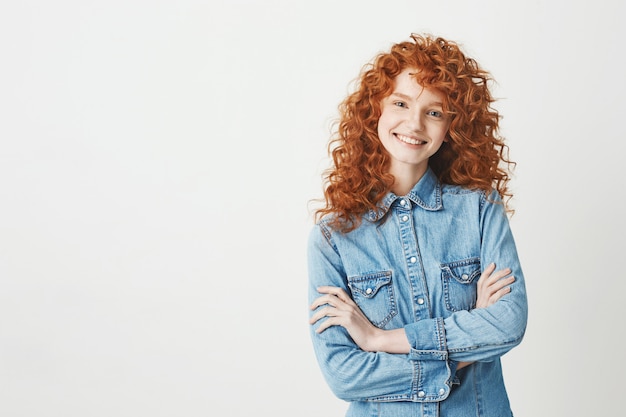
(414, 264)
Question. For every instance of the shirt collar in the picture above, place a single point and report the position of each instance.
(426, 194)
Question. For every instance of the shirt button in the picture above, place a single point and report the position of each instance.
(420, 301)
(413, 259)
(442, 391)
(464, 276)
(368, 291)
(405, 218)
(421, 394)
(403, 202)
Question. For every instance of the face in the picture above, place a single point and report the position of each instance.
(412, 125)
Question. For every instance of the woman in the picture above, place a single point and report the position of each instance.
(416, 288)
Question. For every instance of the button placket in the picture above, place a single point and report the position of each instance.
(408, 236)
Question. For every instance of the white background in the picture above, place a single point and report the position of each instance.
(157, 159)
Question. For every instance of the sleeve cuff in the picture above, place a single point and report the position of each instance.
(427, 339)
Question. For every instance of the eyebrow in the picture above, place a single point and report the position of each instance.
(407, 98)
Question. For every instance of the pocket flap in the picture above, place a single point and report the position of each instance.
(464, 271)
(368, 285)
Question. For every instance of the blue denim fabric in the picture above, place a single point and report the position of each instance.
(414, 263)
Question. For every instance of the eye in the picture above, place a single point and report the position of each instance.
(435, 113)
(399, 104)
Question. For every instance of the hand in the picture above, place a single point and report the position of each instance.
(340, 310)
(492, 285)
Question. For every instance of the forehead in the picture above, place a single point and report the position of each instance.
(406, 86)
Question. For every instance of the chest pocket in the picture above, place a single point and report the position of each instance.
(459, 283)
(374, 295)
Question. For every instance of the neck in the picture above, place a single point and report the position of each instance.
(406, 177)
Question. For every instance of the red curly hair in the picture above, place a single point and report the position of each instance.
(474, 156)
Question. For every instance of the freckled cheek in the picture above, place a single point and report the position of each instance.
(382, 126)
(386, 123)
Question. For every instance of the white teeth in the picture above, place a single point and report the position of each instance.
(409, 140)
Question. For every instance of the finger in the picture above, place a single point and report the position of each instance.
(325, 325)
(500, 288)
(328, 299)
(499, 294)
(336, 291)
(490, 268)
(503, 282)
(339, 298)
(331, 319)
(321, 313)
(498, 285)
(500, 274)
(486, 273)
(320, 301)
(496, 276)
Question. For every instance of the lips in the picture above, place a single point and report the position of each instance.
(410, 140)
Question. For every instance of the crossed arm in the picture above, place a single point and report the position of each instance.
(340, 310)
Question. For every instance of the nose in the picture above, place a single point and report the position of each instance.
(415, 120)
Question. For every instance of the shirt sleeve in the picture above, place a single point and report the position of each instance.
(423, 375)
(484, 334)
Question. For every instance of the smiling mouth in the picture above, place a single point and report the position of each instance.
(409, 140)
